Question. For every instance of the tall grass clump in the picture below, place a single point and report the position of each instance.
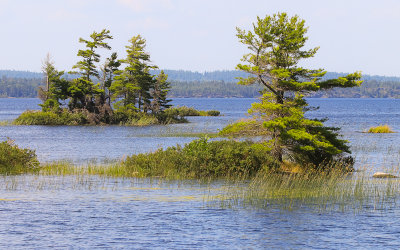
(318, 191)
(15, 160)
(380, 129)
(183, 111)
(201, 159)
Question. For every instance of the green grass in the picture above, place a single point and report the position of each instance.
(318, 192)
(380, 129)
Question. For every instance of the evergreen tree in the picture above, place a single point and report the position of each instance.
(109, 69)
(83, 90)
(276, 47)
(135, 81)
(159, 93)
(49, 71)
(56, 87)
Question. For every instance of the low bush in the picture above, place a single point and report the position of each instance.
(380, 129)
(15, 160)
(213, 113)
(202, 159)
(35, 117)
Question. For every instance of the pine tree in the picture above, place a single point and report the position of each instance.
(276, 47)
(83, 89)
(159, 93)
(56, 87)
(134, 83)
(109, 70)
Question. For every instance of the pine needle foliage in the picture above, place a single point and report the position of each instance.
(276, 46)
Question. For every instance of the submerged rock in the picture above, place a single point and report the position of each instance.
(383, 175)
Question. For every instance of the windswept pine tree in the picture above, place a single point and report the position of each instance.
(83, 90)
(276, 47)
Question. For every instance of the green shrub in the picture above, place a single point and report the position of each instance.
(202, 159)
(83, 117)
(213, 113)
(35, 117)
(381, 129)
(183, 111)
(14, 160)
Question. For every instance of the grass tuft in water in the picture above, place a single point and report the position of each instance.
(334, 191)
(380, 129)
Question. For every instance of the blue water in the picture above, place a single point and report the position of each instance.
(63, 212)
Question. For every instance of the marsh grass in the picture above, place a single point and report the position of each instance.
(380, 129)
(317, 191)
(320, 192)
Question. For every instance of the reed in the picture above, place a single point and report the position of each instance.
(334, 191)
(316, 191)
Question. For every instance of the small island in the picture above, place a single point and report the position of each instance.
(107, 94)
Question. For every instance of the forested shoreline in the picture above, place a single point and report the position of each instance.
(25, 84)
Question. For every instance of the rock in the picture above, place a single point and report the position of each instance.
(383, 175)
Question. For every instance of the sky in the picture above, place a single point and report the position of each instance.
(199, 35)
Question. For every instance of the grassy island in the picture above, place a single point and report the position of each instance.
(380, 129)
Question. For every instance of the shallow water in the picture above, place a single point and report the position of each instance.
(93, 212)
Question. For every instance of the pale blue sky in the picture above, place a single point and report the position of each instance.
(199, 34)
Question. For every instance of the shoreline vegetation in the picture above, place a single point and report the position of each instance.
(247, 180)
(170, 115)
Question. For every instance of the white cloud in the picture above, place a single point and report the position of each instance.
(146, 5)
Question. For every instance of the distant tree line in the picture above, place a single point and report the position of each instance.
(19, 87)
(208, 84)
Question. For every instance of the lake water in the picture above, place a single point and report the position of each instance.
(62, 212)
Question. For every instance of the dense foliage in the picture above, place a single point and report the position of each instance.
(276, 46)
(15, 160)
(103, 93)
(201, 159)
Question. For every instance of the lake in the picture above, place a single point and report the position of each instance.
(93, 212)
